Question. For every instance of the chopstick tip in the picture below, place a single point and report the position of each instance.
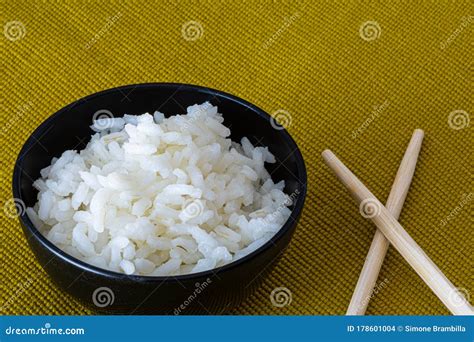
(419, 132)
(327, 154)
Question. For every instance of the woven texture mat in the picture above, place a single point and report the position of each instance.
(357, 77)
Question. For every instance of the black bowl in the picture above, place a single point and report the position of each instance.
(215, 291)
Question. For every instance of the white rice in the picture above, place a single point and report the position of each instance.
(155, 196)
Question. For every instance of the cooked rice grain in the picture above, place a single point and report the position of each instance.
(160, 196)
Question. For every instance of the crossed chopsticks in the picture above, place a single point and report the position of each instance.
(390, 231)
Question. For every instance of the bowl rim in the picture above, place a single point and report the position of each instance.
(84, 266)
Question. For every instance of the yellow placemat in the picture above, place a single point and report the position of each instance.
(355, 76)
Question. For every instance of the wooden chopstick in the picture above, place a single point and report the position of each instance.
(400, 239)
(378, 248)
